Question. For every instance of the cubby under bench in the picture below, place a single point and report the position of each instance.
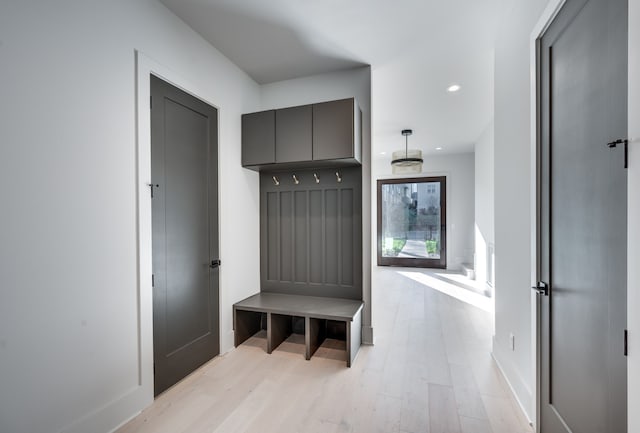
(281, 308)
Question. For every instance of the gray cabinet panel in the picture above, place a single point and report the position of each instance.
(258, 138)
(300, 237)
(346, 240)
(316, 236)
(312, 243)
(293, 134)
(334, 130)
(331, 249)
(286, 236)
(273, 237)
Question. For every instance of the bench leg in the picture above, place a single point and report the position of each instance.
(278, 329)
(245, 325)
(354, 336)
(314, 332)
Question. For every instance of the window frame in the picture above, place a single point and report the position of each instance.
(440, 263)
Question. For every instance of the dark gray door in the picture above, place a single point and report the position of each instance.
(184, 133)
(583, 213)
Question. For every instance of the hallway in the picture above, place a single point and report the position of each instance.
(430, 371)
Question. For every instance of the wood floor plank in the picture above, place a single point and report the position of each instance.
(472, 425)
(430, 371)
(466, 392)
(502, 416)
(443, 412)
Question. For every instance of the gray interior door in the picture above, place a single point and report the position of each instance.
(583, 209)
(184, 188)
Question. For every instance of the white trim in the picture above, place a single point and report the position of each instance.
(547, 17)
(514, 394)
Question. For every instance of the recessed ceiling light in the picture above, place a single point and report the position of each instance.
(453, 88)
(383, 153)
(438, 148)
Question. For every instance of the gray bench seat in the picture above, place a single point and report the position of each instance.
(280, 308)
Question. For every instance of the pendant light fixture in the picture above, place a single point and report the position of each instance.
(406, 161)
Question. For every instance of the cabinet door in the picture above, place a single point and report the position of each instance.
(333, 130)
(258, 138)
(293, 134)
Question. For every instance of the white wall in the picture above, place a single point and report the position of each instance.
(484, 201)
(69, 331)
(326, 87)
(513, 199)
(459, 170)
(633, 286)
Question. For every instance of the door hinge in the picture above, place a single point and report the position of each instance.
(153, 281)
(150, 102)
(624, 142)
(626, 343)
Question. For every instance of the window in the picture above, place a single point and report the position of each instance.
(412, 222)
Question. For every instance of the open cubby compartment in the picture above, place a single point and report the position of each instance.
(248, 324)
(280, 327)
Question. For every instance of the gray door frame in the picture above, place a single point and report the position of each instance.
(545, 20)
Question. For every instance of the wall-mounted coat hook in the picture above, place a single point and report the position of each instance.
(295, 179)
(338, 177)
(275, 180)
(316, 178)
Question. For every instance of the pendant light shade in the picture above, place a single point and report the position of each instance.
(406, 161)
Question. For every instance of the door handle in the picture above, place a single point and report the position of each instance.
(625, 142)
(541, 288)
(215, 263)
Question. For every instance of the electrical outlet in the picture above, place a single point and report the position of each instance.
(512, 341)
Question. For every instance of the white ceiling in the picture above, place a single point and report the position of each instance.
(416, 49)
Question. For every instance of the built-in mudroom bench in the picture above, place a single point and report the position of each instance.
(281, 310)
(310, 226)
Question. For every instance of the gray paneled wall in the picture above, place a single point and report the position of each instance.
(311, 233)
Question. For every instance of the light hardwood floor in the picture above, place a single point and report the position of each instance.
(430, 371)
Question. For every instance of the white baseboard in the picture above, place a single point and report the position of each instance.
(511, 386)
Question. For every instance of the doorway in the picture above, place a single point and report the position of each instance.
(184, 208)
(412, 221)
(582, 214)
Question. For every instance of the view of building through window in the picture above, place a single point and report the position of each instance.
(411, 220)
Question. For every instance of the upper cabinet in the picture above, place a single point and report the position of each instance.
(336, 132)
(315, 135)
(293, 134)
(258, 138)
